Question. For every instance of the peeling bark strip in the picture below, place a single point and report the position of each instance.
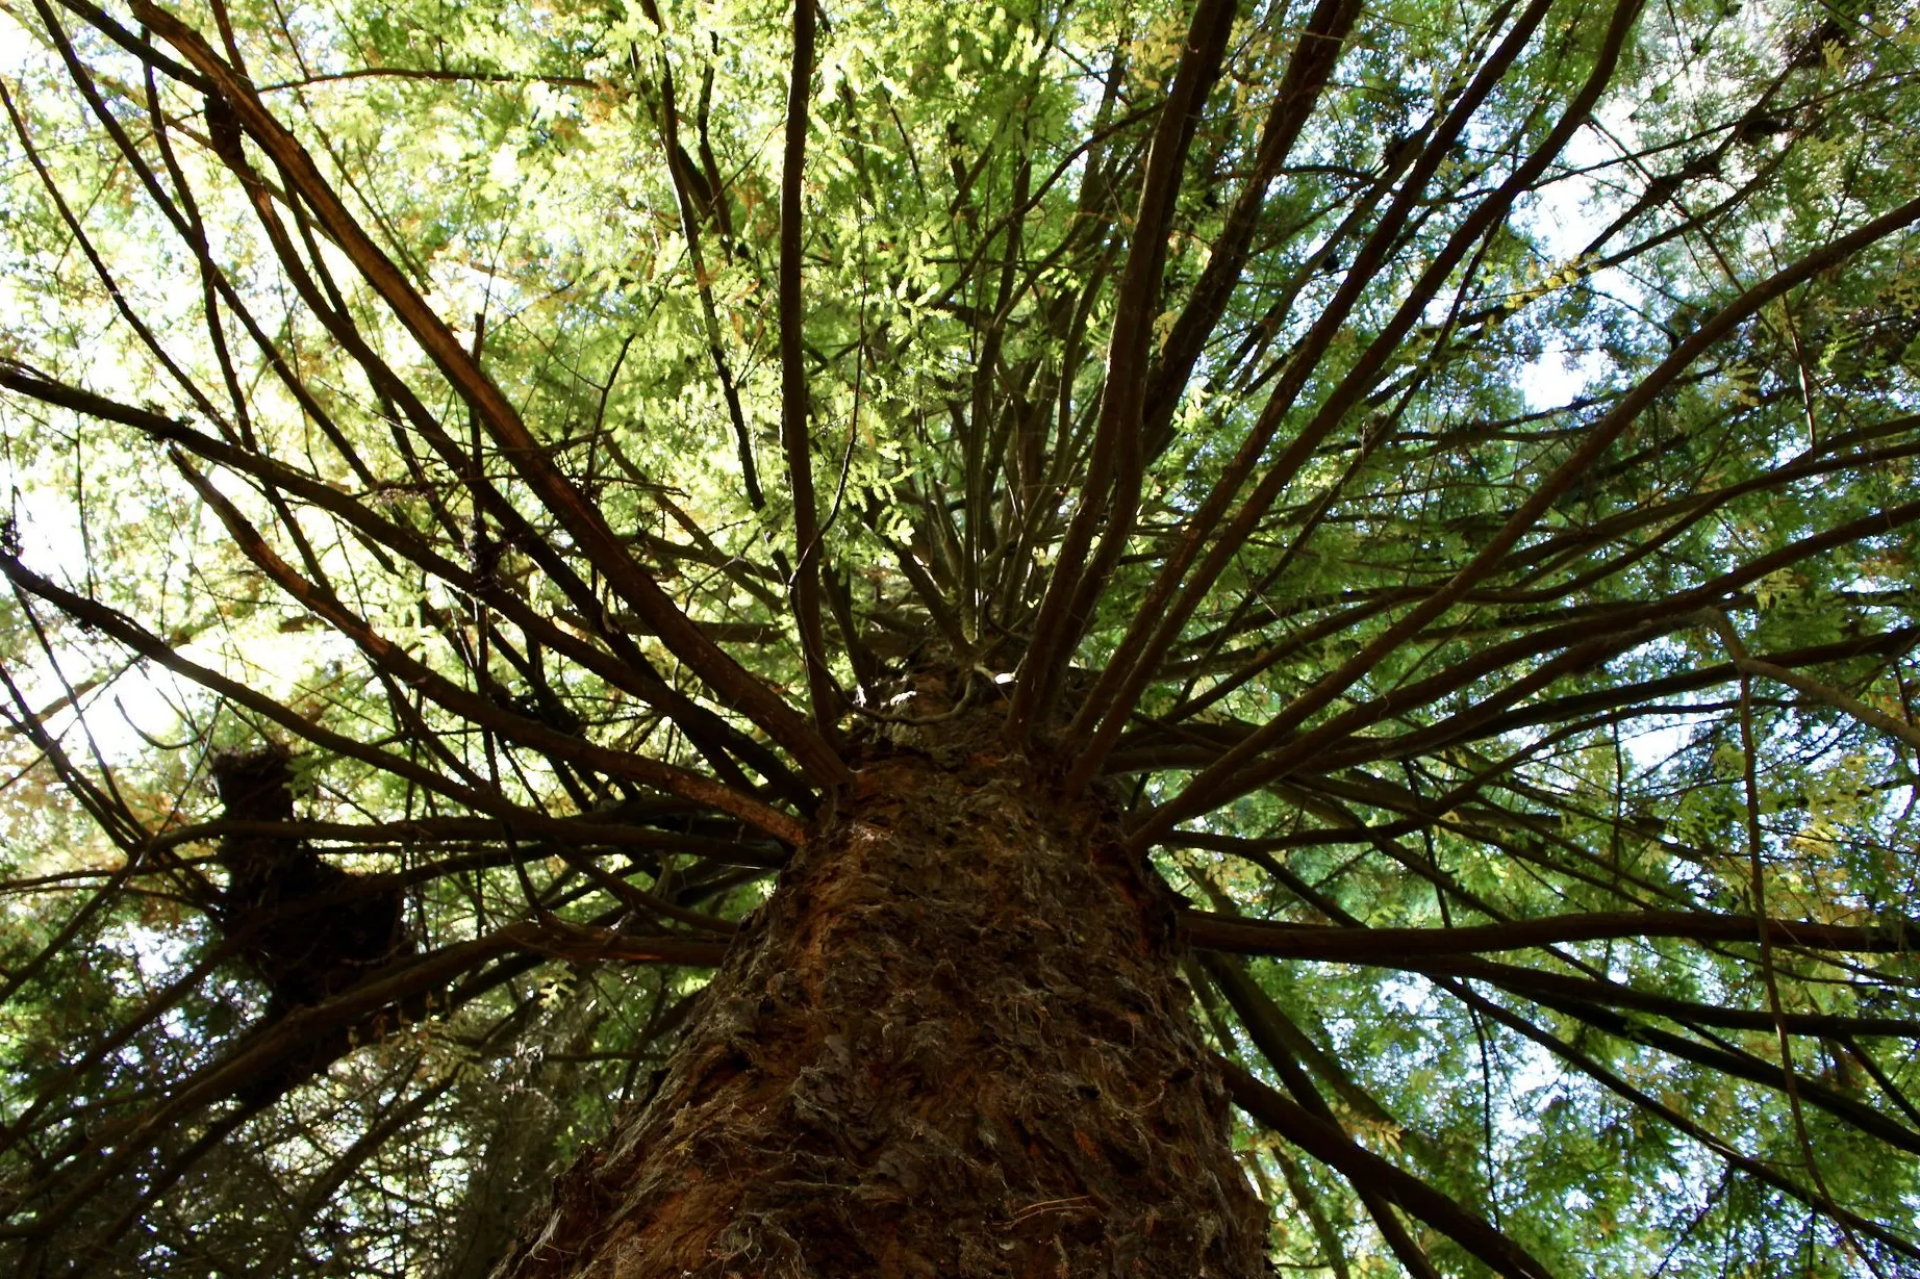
(951, 1044)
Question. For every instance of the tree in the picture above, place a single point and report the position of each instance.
(1063, 638)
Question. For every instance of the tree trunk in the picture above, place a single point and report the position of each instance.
(952, 1043)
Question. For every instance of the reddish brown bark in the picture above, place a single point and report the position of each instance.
(952, 1043)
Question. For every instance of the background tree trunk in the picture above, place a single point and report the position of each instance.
(951, 1043)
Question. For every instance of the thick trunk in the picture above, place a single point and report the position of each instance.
(952, 1043)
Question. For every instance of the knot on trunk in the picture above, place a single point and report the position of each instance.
(306, 927)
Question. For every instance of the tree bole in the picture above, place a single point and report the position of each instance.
(952, 1042)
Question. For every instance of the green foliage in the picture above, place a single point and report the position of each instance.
(1421, 332)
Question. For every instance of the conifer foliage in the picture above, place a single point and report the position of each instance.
(1406, 508)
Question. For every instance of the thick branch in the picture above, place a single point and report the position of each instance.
(824, 693)
(1395, 945)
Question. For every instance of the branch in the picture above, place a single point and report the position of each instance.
(1557, 989)
(105, 23)
(1308, 70)
(1114, 466)
(429, 74)
(1396, 946)
(1755, 1168)
(824, 693)
(1365, 1169)
(589, 831)
(625, 669)
(390, 657)
(1267, 1026)
(1163, 613)
(267, 1050)
(580, 517)
(1833, 697)
(1236, 773)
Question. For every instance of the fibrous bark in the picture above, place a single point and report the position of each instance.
(952, 1042)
